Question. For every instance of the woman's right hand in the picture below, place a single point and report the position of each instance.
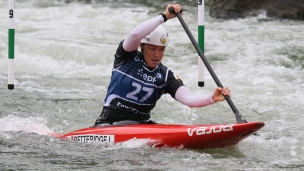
(219, 93)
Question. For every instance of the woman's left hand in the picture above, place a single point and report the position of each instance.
(219, 93)
(176, 7)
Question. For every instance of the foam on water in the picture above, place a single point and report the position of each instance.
(30, 124)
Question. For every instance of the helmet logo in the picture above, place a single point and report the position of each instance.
(163, 40)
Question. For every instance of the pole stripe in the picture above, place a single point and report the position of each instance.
(11, 43)
(201, 38)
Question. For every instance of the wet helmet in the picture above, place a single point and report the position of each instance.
(157, 37)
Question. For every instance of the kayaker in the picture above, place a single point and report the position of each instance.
(139, 78)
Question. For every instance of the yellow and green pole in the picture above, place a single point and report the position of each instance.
(201, 38)
(11, 43)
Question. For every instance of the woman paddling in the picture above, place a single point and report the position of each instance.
(139, 78)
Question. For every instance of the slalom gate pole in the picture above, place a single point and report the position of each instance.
(201, 41)
(11, 43)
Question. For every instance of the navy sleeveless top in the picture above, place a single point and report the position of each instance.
(135, 88)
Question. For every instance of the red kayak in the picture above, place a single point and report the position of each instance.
(172, 135)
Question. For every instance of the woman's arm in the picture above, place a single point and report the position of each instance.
(132, 41)
(184, 96)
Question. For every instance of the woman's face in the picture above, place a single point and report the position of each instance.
(153, 54)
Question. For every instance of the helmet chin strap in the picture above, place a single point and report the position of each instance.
(143, 59)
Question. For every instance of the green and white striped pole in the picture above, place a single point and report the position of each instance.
(201, 38)
(11, 43)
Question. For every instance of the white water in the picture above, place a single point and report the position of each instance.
(63, 58)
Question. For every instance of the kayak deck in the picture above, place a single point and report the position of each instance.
(198, 136)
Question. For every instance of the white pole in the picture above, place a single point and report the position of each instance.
(201, 38)
(11, 43)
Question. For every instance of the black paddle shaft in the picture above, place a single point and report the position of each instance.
(238, 116)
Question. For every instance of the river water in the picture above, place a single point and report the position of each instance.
(63, 59)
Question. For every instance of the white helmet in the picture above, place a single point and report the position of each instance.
(157, 37)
